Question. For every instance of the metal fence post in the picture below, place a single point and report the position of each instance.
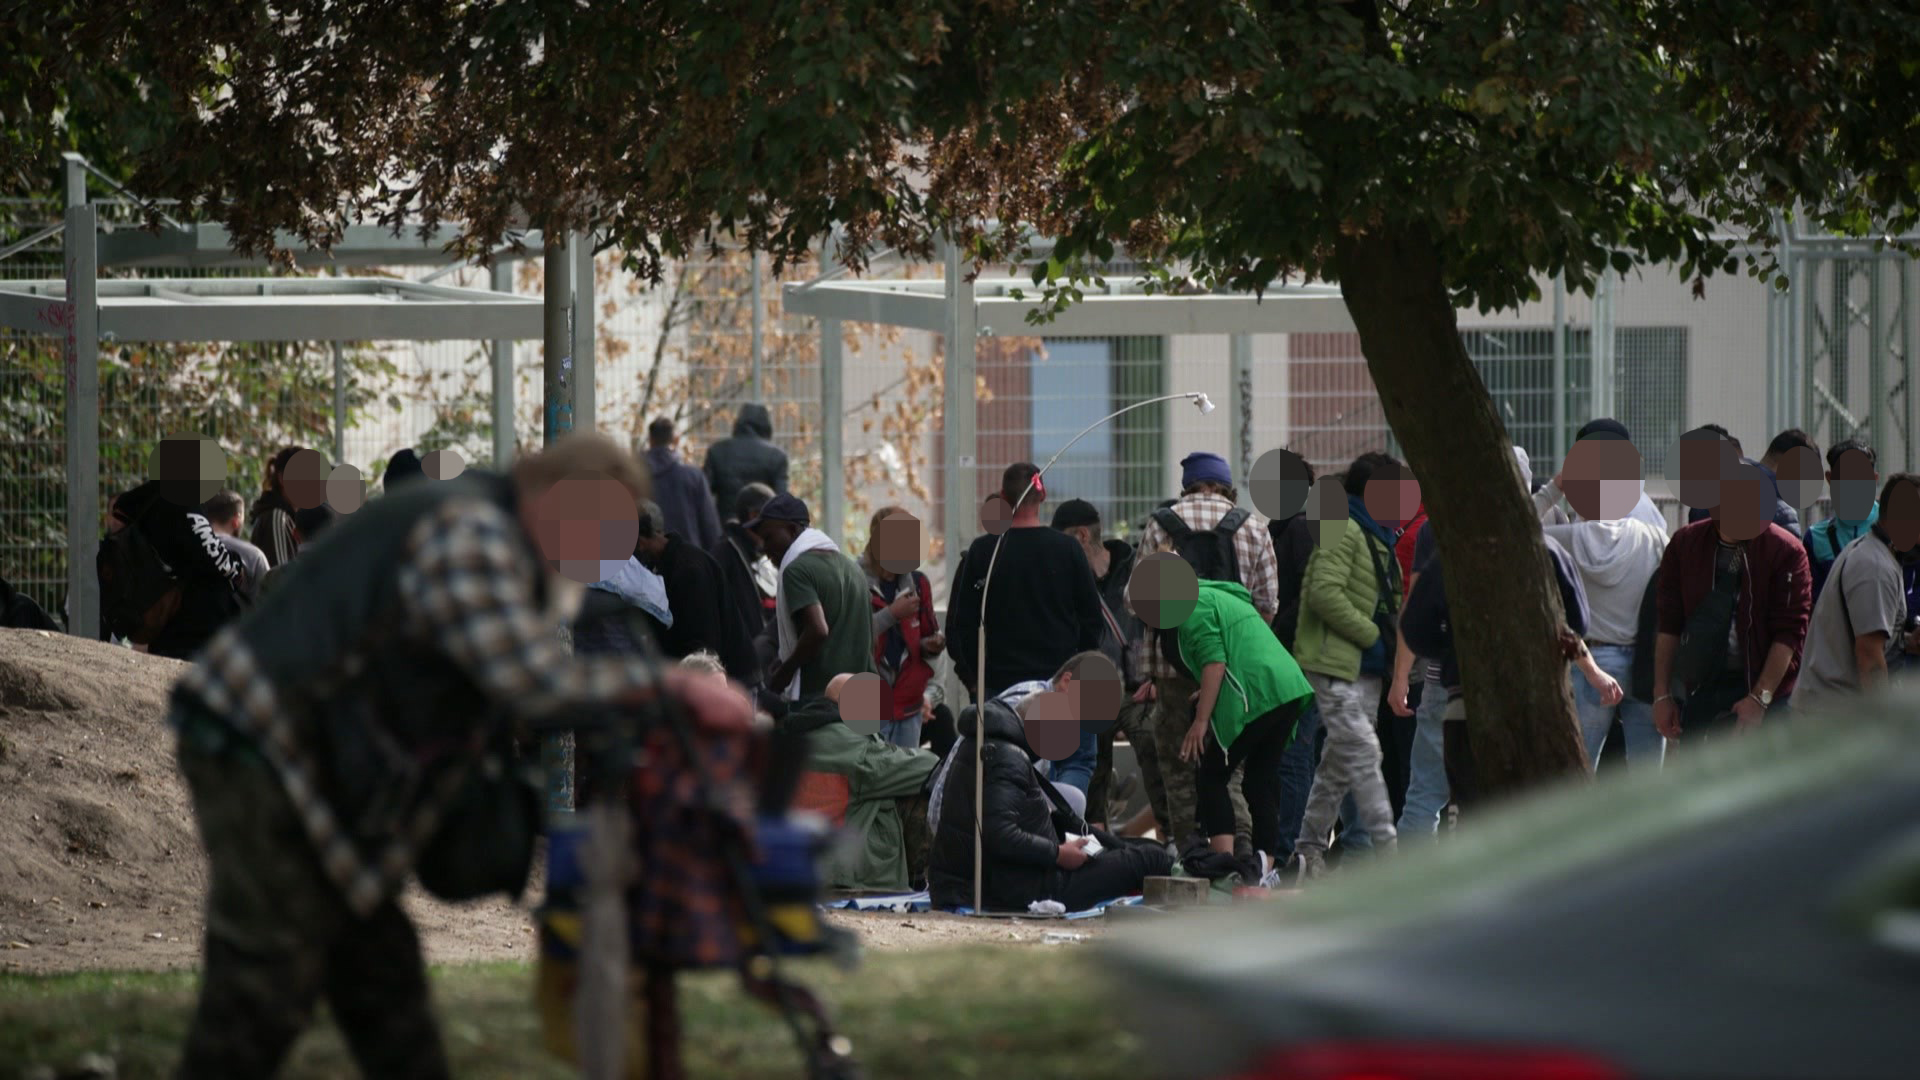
(584, 384)
(1559, 443)
(959, 419)
(1240, 409)
(339, 404)
(759, 317)
(82, 418)
(556, 750)
(503, 382)
(833, 422)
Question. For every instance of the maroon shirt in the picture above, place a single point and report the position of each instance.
(1776, 596)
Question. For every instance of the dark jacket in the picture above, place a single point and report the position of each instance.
(685, 501)
(701, 618)
(1119, 647)
(748, 457)
(1784, 515)
(606, 623)
(1019, 843)
(1293, 544)
(1776, 595)
(208, 574)
(273, 529)
(750, 609)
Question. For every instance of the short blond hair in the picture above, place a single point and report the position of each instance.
(583, 452)
(703, 661)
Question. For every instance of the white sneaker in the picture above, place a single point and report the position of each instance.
(1270, 875)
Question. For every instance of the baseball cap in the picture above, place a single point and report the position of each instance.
(785, 508)
(1074, 513)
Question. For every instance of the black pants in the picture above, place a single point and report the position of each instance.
(1707, 710)
(1116, 871)
(1102, 783)
(1258, 747)
(1396, 745)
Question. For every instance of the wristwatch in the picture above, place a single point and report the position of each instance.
(1764, 697)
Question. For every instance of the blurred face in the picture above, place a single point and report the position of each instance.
(1900, 517)
(1602, 478)
(895, 543)
(1746, 504)
(1393, 495)
(1855, 483)
(1799, 473)
(1705, 460)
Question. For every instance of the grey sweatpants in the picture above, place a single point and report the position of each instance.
(1349, 763)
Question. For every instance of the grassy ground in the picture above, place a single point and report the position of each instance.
(949, 1013)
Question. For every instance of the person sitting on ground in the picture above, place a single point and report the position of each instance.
(1028, 855)
(226, 513)
(867, 786)
(696, 594)
(1250, 699)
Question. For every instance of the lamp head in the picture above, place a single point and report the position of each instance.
(1203, 403)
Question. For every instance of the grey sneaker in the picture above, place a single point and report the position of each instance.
(1307, 866)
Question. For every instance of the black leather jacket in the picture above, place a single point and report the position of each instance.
(748, 457)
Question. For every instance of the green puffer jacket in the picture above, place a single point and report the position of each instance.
(1337, 598)
(877, 774)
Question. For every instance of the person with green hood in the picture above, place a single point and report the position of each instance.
(870, 788)
(1250, 699)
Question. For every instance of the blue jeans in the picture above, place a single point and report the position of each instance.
(904, 732)
(1427, 775)
(1077, 770)
(1645, 746)
(1296, 777)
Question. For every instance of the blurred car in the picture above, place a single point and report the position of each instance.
(1752, 912)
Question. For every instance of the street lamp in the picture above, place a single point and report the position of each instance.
(1201, 402)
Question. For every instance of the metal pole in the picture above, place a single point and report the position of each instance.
(1910, 356)
(833, 422)
(1560, 369)
(73, 170)
(503, 416)
(339, 404)
(82, 361)
(556, 750)
(959, 406)
(1600, 342)
(759, 315)
(584, 383)
(1879, 340)
(1240, 408)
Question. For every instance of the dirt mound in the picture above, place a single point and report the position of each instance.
(100, 861)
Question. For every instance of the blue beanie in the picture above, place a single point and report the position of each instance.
(1196, 468)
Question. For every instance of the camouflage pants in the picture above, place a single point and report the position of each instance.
(1136, 723)
(1172, 718)
(279, 937)
(915, 838)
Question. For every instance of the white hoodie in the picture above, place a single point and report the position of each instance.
(1616, 559)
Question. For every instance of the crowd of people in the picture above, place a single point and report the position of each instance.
(1306, 709)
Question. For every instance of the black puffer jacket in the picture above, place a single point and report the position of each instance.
(748, 457)
(1113, 593)
(1293, 542)
(208, 573)
(1017, 832)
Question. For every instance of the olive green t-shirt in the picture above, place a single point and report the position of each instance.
(839, 586)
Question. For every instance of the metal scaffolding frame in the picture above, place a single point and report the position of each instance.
(88, 311)
(963, 310)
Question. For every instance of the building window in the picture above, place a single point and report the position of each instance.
(1119, 468)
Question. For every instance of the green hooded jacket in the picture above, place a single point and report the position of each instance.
(877, 774)
(1337, 597)
(1225, 628)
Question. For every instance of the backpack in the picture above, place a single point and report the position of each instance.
(1210, 553)
(139, 592)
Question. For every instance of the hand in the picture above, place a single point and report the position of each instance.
(716, 702)
(1145, 694)
(906, 605)
(1608, 686)
(1747, 714)
(1073, 854)
(1191, 746)
(1397, 698)
(933, 644)
(1666, 717)
(1911, 642)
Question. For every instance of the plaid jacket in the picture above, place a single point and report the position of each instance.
(467, 591)
(1252, 549)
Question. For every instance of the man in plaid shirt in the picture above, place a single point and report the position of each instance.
(1207, 496)
(325, 736)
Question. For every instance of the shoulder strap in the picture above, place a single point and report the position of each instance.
(1384, 575)
(1173, 523)
(1840, 583)
(1231, 523)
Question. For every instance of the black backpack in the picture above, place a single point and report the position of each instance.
(1210, 553)
(139, 592)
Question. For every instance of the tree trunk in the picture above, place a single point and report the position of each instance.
(1520, 713)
